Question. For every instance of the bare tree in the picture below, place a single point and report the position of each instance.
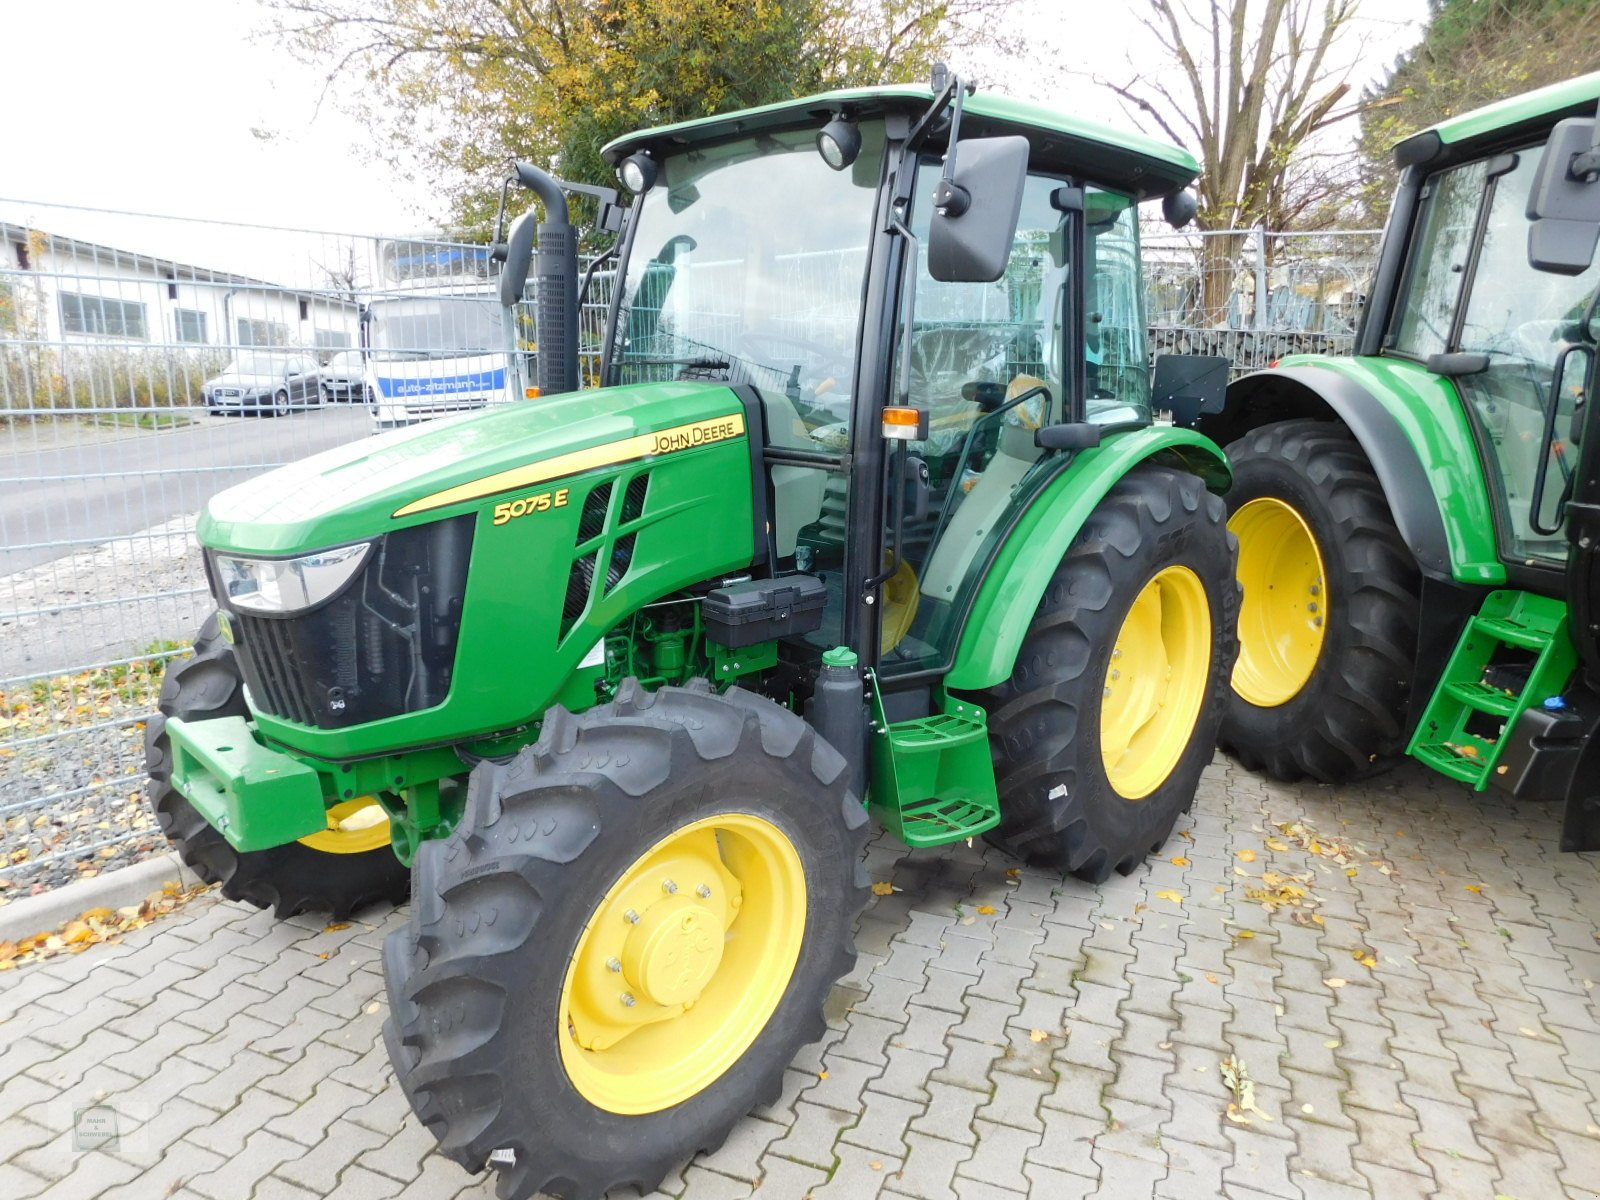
(1251, 85)
(344, 274)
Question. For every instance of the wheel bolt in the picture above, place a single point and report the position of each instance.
(613, 964)
(627, 1000)
(631, 917)
(669, 887)
(1316, 621)
(1108, 691)
(703, 892)
(1116, 674)
(1312, 607)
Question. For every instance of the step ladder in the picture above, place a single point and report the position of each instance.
(1471, 694)
(933, 777)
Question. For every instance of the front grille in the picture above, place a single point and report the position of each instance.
(384, 646)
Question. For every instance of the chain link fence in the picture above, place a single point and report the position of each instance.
(136, 385)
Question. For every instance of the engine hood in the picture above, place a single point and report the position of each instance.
(461, 464)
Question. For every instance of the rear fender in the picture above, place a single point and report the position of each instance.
(1010, 593)
(1413, 429)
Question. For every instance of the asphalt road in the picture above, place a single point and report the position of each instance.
(64, 489)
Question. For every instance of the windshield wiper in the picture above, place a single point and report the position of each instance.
(703, 362)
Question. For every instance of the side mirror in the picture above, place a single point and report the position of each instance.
(1188, 385)
(973, 245)
(519, 259)
(1564, 204)
(1179, 208)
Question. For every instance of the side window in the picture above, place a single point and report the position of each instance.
(1114, 317)
(1439, 255)
(976, 349)
(1522, 319)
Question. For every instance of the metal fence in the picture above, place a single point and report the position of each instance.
(119, 418)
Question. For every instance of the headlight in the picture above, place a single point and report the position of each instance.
(288, 585)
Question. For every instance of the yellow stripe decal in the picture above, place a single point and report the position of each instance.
(644, 445)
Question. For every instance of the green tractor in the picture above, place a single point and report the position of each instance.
(1418, 523)
(871, 510)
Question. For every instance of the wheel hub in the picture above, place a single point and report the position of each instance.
(1282, 622)
(674, 950)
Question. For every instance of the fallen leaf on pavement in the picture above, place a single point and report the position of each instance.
(1475, 889)
(1277, 844)
(336, 926)
(1037, 1035)
(1169, 894)
(1247, 856)
(1179, 860)
(986, 910)
(1334, 983)
(882, 888)
(1237, 1076)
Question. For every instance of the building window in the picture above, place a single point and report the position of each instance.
(102, 315)
(331, 339)
(191, 325)
(254, 332)
(22, 255)
(305, 310)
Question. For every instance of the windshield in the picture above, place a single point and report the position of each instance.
(434, 327)
(747, 266)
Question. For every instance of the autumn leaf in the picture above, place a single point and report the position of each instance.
(1037, 1035)
(336, 926)
(1277, 844)
(986, 910)
(822, 1074)
(1237, 1076)
(1245, 933)
(1169, 894)
(1246, 855)
(1474, 889)
(875, 1165)
(1334, 983)
(1179, 860)
(1013, 872)
(1365, 957)
(8, 951)
(882, 888)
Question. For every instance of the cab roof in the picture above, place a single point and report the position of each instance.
(1129, 162)
(1531, 112)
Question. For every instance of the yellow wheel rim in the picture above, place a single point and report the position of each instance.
(354, 827)
(1281, 620)
(1155, 682)
(682, 964)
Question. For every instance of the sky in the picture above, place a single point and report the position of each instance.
(189, 108)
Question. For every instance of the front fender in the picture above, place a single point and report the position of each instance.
(1022, 569)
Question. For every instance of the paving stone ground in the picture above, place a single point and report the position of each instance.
(1067, 1043)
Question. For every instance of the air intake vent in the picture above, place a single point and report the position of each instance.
(633, 499)
(621, 556)
(593, 520)
(578, 581)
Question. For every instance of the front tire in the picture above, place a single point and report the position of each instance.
(626, 940)
(1112, 708)
(288, 879)
(1328, 630)
(280, 404)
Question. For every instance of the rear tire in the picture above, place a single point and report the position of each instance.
(287, 879)
(1060, 807)
(513, 914)
(1347, 720)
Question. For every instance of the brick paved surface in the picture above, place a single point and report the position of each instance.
(1069, 1042)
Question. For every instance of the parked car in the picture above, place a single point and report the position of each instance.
(345, 377)
(265, 383)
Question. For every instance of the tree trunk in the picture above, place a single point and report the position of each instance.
(1219, 269)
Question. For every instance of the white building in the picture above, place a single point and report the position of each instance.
(79, 293)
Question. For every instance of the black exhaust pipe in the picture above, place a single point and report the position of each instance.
(554, 259)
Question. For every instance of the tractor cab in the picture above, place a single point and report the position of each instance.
(802, 255)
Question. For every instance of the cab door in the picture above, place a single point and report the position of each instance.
(1532, 398)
